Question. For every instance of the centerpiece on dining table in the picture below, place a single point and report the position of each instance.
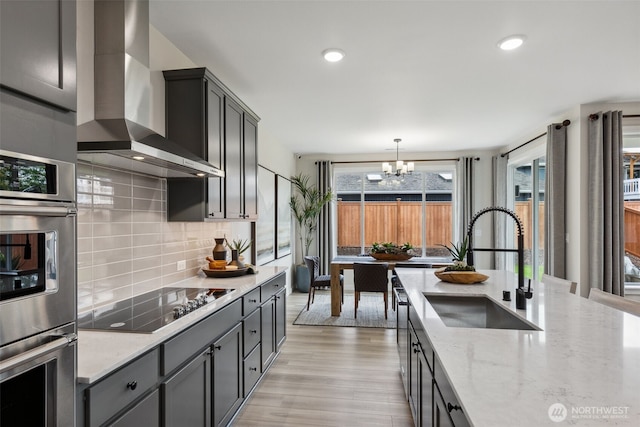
(391, 252)
(459, 272)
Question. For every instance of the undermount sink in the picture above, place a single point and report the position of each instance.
(466, 311)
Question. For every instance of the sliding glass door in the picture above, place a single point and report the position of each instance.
(527, 178)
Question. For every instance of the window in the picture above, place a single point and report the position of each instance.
(416, 208)
(631, 188)
(527, 180)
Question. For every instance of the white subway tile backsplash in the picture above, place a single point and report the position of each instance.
(125, 244)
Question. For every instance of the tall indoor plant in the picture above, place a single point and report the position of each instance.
(306, 205)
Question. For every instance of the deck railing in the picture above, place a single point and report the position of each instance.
(632, 189)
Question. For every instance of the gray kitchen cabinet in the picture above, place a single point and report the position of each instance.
(281, 318)
(227, 376)
(420, 382)
(273, 318)
(250, 165)
(199, 377)
(195, 120)
(187, 394)
(38, 44)
(144, 413)
(444, 396)
(440, 414)
(431, 397)
(120, 390)
(267, 327)
(206, 118)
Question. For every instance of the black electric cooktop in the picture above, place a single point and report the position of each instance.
(148, 312)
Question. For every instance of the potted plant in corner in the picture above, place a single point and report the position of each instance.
(306, 205)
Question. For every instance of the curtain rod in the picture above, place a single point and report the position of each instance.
(407, 160)
(558, 126)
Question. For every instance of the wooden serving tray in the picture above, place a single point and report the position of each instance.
(460, 277)
(225, 273)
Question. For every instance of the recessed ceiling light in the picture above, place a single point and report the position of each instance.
(511, 42)
(333, 55)
(138, 158)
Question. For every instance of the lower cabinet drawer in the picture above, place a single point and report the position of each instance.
(252, 370)
(272, 286)
(251, 301)
(185, 345)
(114, 393)
(251, 332)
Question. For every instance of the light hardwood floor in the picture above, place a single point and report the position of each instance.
(330, 376)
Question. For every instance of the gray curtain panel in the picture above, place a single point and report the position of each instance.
(464, 187)
(605, 200)
(555, 188)
(324, 240)
(500, 199)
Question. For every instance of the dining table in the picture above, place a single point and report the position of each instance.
(340, 263)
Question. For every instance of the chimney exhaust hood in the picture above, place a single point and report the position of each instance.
(119, 136)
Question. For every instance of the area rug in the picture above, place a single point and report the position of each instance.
(370, 312)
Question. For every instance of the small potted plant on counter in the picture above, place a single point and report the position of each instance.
(238, 246)
(390, 251)
(459, 272)
(458, 254)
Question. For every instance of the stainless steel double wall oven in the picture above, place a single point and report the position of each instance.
(37, 291)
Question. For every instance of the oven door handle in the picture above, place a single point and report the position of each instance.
(37, 210)
(28, 356)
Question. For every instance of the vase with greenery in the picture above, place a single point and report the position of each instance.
(458, 254)
(306, 204)
(238, 246)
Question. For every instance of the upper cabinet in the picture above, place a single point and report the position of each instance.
(38, 44)
(206, 118)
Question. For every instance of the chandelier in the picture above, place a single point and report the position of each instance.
(401, 168)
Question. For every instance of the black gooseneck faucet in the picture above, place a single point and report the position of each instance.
(521, 293)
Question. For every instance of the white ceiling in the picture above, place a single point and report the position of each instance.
(428, 72)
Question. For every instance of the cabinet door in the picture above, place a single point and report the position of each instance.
(250, 157)
(145, 413)
(268, 339)
(426, 387)
(38, 45)
(215, 149)
(281, 317)
(187, 396)
(227, 375)
(233, 167)
(440, 413)
(414, 375)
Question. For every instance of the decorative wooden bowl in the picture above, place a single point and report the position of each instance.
(391, 257)
(225, 273)
(460, 277)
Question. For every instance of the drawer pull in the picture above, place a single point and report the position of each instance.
(253, 369)
(451, 407)
(218, 347)
(254, 331)
(253, 300)
(132, 385)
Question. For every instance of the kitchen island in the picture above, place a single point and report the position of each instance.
(584, 360)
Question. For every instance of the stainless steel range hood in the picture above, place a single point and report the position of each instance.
(120, 136)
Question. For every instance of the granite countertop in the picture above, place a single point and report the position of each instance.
(101, 352)
(586, 357)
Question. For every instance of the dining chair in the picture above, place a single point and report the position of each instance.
(615, 301)
(556, 281)
(317, 280)
(370, 277)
